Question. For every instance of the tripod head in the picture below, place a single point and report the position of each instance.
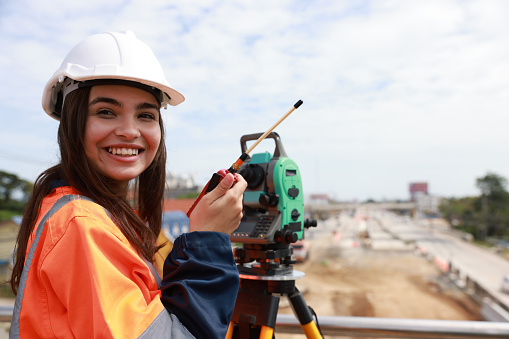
(273, 209)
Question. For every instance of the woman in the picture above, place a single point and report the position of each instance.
(84, 257)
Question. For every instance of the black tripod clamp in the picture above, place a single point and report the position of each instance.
(257, 306)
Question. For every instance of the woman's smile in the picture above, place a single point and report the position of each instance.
(124, 152)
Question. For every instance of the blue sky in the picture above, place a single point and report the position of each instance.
(394, 91)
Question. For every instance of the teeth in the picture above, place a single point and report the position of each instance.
(123, 151)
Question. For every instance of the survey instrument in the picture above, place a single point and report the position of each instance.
(217, 177)
(273, 219)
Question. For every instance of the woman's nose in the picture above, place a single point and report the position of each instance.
(127, 129)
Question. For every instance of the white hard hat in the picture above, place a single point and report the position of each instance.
(115, 56)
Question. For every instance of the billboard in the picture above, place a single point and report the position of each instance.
(418, 188)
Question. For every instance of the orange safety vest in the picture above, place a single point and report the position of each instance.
(83, 279)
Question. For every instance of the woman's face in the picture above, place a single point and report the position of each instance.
(122, 132)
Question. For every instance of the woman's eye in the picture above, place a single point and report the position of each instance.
(105, 112)
(148, 116)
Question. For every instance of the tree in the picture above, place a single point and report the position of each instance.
(485, 215)
(493, 190)
(14, 192)
(493, 204)
(461, 213)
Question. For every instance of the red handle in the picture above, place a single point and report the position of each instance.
(213, 182)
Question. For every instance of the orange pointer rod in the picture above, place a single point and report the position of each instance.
(217, 177)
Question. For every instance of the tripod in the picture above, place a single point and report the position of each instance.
(256, 306)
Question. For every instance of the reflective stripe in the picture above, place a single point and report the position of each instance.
(14, 331)
(166, 325)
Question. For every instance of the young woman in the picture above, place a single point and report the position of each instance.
(84, 255)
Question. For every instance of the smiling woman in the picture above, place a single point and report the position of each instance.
(84, 255)
(123, 131)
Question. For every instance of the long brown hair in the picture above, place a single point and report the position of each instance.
(75, 168)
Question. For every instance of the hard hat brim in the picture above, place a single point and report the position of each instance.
(170, 97)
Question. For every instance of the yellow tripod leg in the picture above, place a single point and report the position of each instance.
(266, 332)
(311, 331)
(229, 333)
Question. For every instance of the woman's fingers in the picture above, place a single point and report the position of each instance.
(221, 209)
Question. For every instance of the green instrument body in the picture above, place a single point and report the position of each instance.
(273, 200)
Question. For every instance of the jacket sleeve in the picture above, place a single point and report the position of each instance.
(201, 282)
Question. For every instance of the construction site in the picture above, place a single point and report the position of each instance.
(347, 276)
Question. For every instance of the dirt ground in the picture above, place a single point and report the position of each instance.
(367, 283)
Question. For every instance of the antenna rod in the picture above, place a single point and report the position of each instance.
(235, 167)
(297, 104)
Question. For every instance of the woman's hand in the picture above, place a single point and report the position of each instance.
(220, 210)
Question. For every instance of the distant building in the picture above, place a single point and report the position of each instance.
(175, 220)
(182, 205)
(177, 186)
(319, 199)
(174, 224)
(427, 205)
(418, 188)
(180, 185)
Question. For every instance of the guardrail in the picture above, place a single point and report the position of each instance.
(6, 314)
(379, 327)
(398, 328)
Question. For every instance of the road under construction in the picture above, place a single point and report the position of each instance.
(407, 270)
